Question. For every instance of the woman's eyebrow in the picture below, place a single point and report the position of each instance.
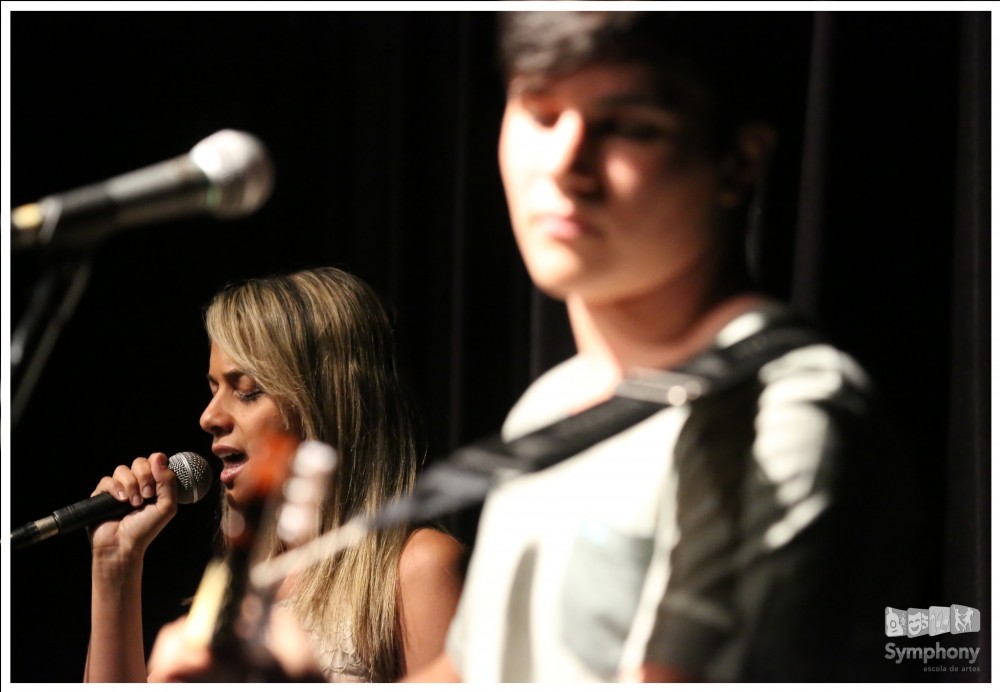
(234, 373)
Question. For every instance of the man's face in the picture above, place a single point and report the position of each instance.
(611, 194)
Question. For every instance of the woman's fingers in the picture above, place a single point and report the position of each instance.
(142, 470)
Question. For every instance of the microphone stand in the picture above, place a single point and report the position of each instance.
(54, 298)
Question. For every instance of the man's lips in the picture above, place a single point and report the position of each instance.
(561, 227)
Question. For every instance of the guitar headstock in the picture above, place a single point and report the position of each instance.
(305, 492)
(288, 484)
(272, 459)
(217, 604)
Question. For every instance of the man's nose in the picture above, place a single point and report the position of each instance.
(572, 154)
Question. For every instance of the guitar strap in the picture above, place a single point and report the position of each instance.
(467, 475)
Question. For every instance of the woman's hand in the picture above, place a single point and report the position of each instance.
(126, 539)
(117, 548)
(178, 657)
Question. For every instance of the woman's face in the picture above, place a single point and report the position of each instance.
(248, 432)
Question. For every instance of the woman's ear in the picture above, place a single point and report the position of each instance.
(746, 163)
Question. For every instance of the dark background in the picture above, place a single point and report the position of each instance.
(383, 128)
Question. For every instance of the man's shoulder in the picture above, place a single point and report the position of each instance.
(546, 400)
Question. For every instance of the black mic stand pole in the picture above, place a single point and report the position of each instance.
(54, 298)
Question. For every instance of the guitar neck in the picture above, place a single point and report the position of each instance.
(230, 614)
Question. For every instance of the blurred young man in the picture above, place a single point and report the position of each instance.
(699, 543)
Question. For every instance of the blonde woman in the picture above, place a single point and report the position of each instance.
(304, 356)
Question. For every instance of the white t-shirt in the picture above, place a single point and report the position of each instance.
(681, 541)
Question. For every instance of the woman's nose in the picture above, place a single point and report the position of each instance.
(214, 419)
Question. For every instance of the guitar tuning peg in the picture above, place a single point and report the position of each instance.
(305, 491)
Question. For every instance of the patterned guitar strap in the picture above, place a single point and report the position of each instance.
(466, 476)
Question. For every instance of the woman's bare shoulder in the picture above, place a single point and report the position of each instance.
(430, 549)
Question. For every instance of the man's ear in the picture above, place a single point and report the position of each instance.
(746, 163)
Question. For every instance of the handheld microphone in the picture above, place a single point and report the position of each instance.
(194, 478)
(228, 174)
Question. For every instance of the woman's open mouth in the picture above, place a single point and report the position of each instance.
(231, 466)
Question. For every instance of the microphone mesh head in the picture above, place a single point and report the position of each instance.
(239, 170)
(194, 476)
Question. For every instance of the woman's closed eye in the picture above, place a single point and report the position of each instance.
(245, 387)
(248, 395)
(242, 386)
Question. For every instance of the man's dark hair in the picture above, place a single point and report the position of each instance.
(745, 61)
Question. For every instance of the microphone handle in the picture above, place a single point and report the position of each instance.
(81, 217)
(84, 513)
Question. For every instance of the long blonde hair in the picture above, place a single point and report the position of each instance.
(320, 344)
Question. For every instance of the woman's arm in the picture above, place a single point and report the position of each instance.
(430, 582)
(116, 652)
(441, 669)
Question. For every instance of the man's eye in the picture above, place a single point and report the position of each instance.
(636, 130)
(544, 118)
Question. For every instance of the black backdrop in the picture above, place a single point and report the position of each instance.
(383, 130)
